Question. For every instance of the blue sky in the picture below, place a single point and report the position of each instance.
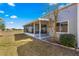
(16, 15)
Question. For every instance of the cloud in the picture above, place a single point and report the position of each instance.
(61, 6)
(6, 15)
(11, 4)
(68, 4)
(11, 22)
(52, 4)
(43, 13)
(13, 16)
(1, 11)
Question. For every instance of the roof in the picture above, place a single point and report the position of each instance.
(40, 19)
(60, 9)
(44, 19)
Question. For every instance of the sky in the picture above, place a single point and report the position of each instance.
(16, 15)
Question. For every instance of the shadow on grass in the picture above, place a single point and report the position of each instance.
(21, 36)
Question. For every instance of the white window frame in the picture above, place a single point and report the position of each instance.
(67, 26)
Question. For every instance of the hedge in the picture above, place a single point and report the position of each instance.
(68, 40)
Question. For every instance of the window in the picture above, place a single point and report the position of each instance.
(58, 27)
(62, 27)
(30, 29)
(25, 28)
(43, 29)
(37, 28)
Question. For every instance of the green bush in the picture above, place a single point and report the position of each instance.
(68, 40)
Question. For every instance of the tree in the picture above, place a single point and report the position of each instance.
(54, 21)
(54, 24)
(2, 25)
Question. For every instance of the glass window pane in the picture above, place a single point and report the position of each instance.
(58, 27)
(43, 29)
(64, 26)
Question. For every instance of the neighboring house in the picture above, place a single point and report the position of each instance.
(68, 23)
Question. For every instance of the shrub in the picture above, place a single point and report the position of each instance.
(68, 40)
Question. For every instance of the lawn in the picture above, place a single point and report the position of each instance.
(8, 45)
(14, 43)
(39, 48)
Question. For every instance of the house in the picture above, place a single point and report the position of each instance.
(67, 23)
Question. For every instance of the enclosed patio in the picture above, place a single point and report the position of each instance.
(38, 29)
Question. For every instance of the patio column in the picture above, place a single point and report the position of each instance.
(34, 28)
(39, 29)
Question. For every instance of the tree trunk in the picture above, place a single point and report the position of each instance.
(54, 31)
(54, 25)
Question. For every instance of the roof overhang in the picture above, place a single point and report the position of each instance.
(42, 20)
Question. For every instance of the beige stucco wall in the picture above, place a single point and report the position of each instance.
(78, 25)
(68, 14)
